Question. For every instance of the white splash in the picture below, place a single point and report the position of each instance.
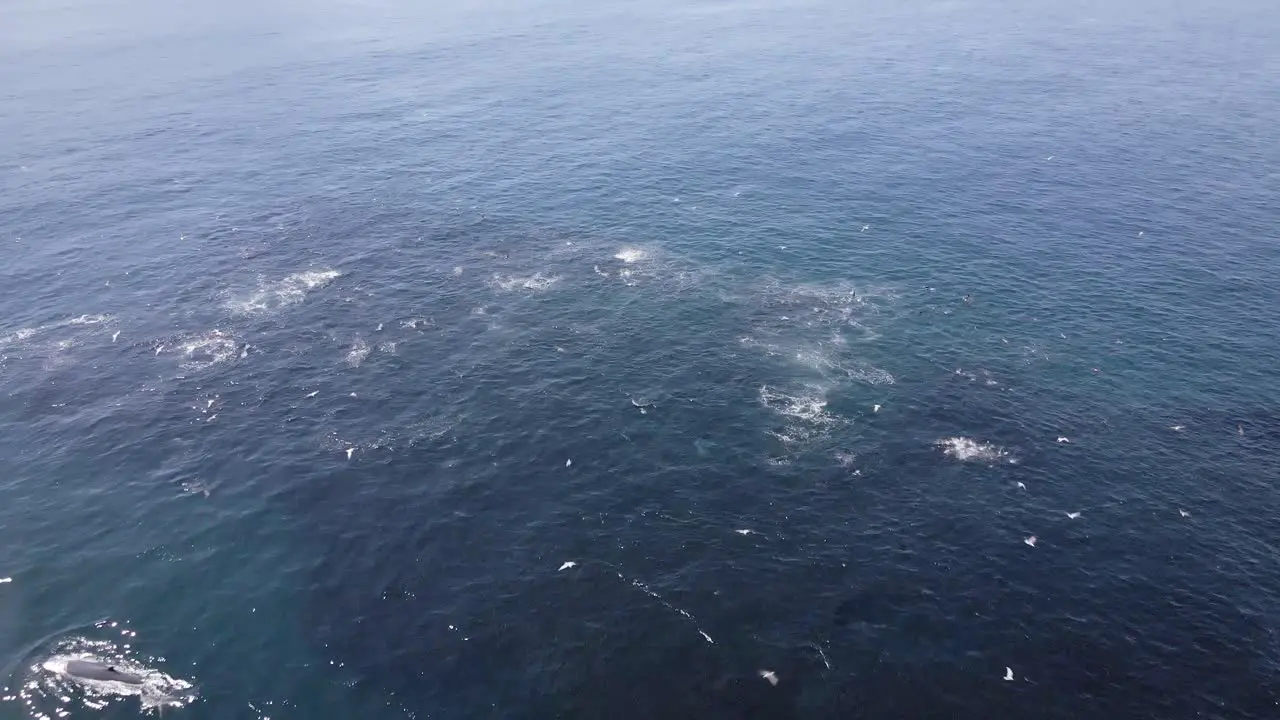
(290, 290)
(536, 282)
(5, 580)
(967, 449)
(89, 320)
(631, 255)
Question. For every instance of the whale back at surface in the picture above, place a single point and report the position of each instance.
(90, 670)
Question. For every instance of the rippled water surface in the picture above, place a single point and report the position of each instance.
(640, 359)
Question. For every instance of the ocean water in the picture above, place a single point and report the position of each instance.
(640, 359)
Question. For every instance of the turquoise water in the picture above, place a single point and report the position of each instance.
(335, 331)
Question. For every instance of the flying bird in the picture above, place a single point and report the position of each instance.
(1031, 541)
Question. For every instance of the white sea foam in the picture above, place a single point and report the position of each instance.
(18, 336)
(833, 367)
(536, 282)
(202, 351)
(969, 450)
(291, 290)
(805, 412)
(809, 406)
(357, 353)
(22, 335)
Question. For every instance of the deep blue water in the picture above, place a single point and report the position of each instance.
(332, 331)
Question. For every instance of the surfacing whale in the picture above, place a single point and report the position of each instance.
(93, 670)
